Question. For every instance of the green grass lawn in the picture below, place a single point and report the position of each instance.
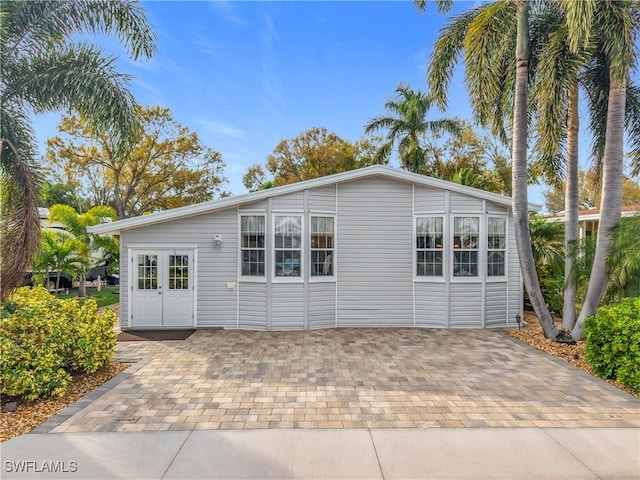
(107, 296)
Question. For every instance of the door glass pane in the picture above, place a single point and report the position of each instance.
(147, 272)
(178, 272)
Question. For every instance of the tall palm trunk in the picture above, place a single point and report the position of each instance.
(571, 210)
(520, 176)
(610, 203)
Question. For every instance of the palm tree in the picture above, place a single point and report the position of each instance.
(60, 253)
(43, 70)
(407, 125)
(616, 26)
(555, 93)
(76, 224)
(495, 42)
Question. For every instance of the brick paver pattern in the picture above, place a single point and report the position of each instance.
(349, 378)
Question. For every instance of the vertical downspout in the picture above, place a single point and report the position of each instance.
(448, 254)
(268, 260)
(306, 272)
(335, 257)
(413, 249)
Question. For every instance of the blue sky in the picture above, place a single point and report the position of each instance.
(245, 75)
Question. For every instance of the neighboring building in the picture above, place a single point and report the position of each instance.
(589, 219)
(374, 247)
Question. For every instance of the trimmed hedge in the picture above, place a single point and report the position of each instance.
(612, 342)
(43, 339)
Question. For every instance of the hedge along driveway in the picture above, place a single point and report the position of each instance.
(349, 378)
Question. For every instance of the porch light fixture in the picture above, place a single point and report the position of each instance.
(217, 241)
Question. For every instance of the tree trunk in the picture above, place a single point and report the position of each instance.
(610, 203)
(571, 210)
(520, 175)
(82, 287)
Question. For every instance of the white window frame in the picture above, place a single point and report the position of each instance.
(480, 248)
(274, 249)
(445, 254)
(252, 278)
(323, 278)
(497, 278)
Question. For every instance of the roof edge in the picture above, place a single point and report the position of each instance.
(221, 204)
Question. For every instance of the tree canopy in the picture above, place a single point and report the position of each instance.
(407, 128)
(468, 158)
(312, 154)
(590, 192)
(44, 69)
(168, 167)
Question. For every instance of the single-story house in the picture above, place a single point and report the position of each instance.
(374, 247)
(589, 219)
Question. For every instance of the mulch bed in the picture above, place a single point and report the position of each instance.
(154, 335)
(29, 414)
(533, 335)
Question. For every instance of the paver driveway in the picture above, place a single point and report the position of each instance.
(349, 378)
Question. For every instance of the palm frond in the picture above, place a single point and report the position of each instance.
(20, 223)
(489, 46)
(443, 6)
(595, 80)
(446, 51)
(580, 15)
(632, 114)
(79, 78)
(36, 26)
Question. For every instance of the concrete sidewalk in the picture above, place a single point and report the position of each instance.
(479, 453)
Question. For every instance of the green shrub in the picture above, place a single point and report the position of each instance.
(44, 339)
(612, 342)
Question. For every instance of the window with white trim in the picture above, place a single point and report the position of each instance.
(252, 234)
(287, 245)
(496, 246)
(321, 246)
(429, 246)
(466, 236)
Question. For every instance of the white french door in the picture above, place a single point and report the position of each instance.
(162, 288)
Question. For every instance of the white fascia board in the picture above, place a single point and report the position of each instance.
(375, 170)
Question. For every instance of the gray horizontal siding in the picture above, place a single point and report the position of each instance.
(374, 253)
(496, 304)
(494, 208)
(216, 306)
(322, 199)
(465, 305)
(429, 200)
(124, 283)
(515, 282)
(292, 201)
(465, 203)
(253, 306)
(287, 306)
(259, 205)
(322, 305)
(430, 305)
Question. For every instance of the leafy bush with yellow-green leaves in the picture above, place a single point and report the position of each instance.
(612, 342)
(44, 339)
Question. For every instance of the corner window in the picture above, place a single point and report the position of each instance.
(466, 233)
(252, 246)
(429, 246)
(287, 246)
(322, 245)
(496, 246)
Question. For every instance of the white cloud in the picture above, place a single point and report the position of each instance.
(229, 11)
(217, 127)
